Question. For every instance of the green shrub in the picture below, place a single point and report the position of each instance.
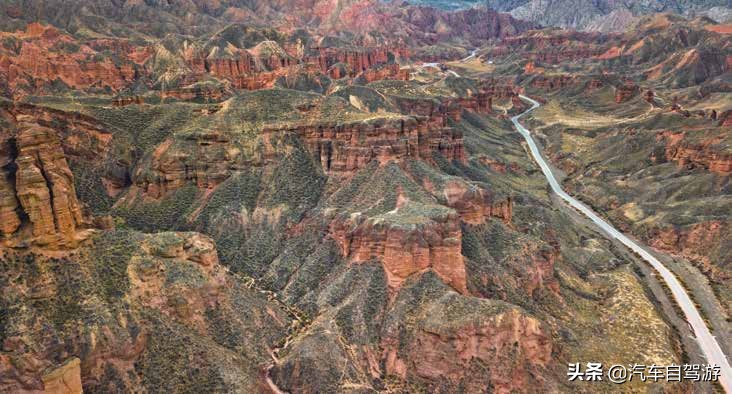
(170, 213)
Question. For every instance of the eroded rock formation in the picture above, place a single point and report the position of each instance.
(357, 60)
(693, 243)
(348, 147)
(553, 82)
(38, 183)
(46, 55)
(705, 154)
(174, 279)
(406, 248)
(509, 344)
(625, 92)
(475, 204)
(204, 160)
(66, 379)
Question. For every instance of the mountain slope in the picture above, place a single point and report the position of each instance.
(138, 19)
(600, 15)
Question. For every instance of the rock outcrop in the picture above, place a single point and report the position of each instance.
(553, 82)
(705, 154)
(43, 187)
(46, 56)
(186, 313)
(508, 345)
(148, 285)
(347, 147)
(386, 71)
(66, 379)
(357, 60)
(551, 48)
(208, 158)
(82, 137)
(128, 100)
(625, 92)
(694, 242)
(260, 67)
(9, 205)
(204, 160)
(406, 247)
(475, 204)
(200, 93)
(439, 109)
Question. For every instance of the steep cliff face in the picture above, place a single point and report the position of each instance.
(343, 149)
(261, 66)
(625, 92)
(552, 47)
(43, 57)
(160, 301)
(356, 60)
(203, 160)
(478, 23)
(387, 71)
(553, 82)
(231, 62)
(406, 248)
(40, 186)
(449, 348)
(705, 154)
(694, 243)
(440, 109)
(206, 159)
(9, 204)
(476, 205)
(446, 353)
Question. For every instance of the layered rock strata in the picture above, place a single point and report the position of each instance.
(508, 345)
(38, 183)
(475, 205)
(347, 147)
(685, 154)
(406, 248)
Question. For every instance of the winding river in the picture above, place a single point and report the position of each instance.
(707, 342)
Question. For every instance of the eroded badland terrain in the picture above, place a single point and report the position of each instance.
(329, 196)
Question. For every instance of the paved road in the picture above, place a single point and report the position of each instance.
(707, 342)
(472, 55)
(437, 66)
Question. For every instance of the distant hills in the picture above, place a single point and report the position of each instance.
(375, 20)
(599, 15)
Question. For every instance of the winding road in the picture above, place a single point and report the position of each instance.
(472, 55)
(707, 342)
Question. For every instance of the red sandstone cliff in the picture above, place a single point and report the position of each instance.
(705, 154)
(510, 345)
(474, 204)
(405, 248)
(347, 147)
(37, 181)
(553, 82)
(45, 55)
(625, 92)
(206, 159)
(693, 243)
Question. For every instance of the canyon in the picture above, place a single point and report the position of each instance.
(246, 196)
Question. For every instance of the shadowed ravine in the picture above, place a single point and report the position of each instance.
(707, 342)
